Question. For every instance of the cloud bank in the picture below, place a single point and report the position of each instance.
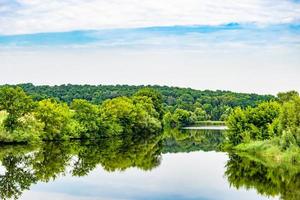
(35, 16)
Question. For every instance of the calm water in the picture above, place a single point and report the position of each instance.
(176, 165)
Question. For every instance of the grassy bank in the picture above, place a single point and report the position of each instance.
(271, 152)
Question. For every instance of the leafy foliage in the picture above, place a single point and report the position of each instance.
(88, 116)
(267, 121)
(51, 119)
(290, 118)
(252, 123)
(16, 103)
(57, 120)
(178, 119)
(215, 103)
(124, 115)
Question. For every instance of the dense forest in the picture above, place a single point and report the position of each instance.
(216, 104)
(30, 113)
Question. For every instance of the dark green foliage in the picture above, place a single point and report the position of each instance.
(215, 103)
(287, 96)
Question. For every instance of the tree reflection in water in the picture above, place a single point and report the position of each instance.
(25, 165)
(268, 179)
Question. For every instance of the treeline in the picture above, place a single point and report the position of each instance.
(23, 119)
(210, 105)
(270, 128)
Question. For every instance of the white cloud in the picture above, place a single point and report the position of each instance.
(56, 15)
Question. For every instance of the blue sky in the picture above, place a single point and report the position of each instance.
(133, 37)
(163, 37)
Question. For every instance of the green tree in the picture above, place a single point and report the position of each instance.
(124, 115)
(261, 117)
(179, 118)
(186, 102)
(200, 114)
(237, 123)
(16, 103)
(252, 123)
(57, 119)
(287, 96)
(289, 120)
(88, 116)
(168, 121)
(156, 98)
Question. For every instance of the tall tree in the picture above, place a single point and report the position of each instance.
(156, 98)
(88, 115)
(16, 103)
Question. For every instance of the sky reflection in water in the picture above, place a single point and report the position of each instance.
(179, 166)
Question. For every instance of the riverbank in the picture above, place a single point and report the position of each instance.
(270, 151)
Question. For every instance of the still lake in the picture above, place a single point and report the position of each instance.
(176, 165)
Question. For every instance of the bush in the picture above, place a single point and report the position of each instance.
(259, 123)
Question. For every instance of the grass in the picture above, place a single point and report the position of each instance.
(270, 152)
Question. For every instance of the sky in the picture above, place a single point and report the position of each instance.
(238, 45)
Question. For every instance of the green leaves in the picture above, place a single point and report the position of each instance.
(266, 121)
(178, 119)
(290, 117)
(156, 98)
(56, 117)
(88, 116)
(124, 115)
(252, 123)
(16, 103)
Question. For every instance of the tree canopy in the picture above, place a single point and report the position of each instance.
(16, 103)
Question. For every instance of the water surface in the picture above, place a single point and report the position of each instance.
(178, 165)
